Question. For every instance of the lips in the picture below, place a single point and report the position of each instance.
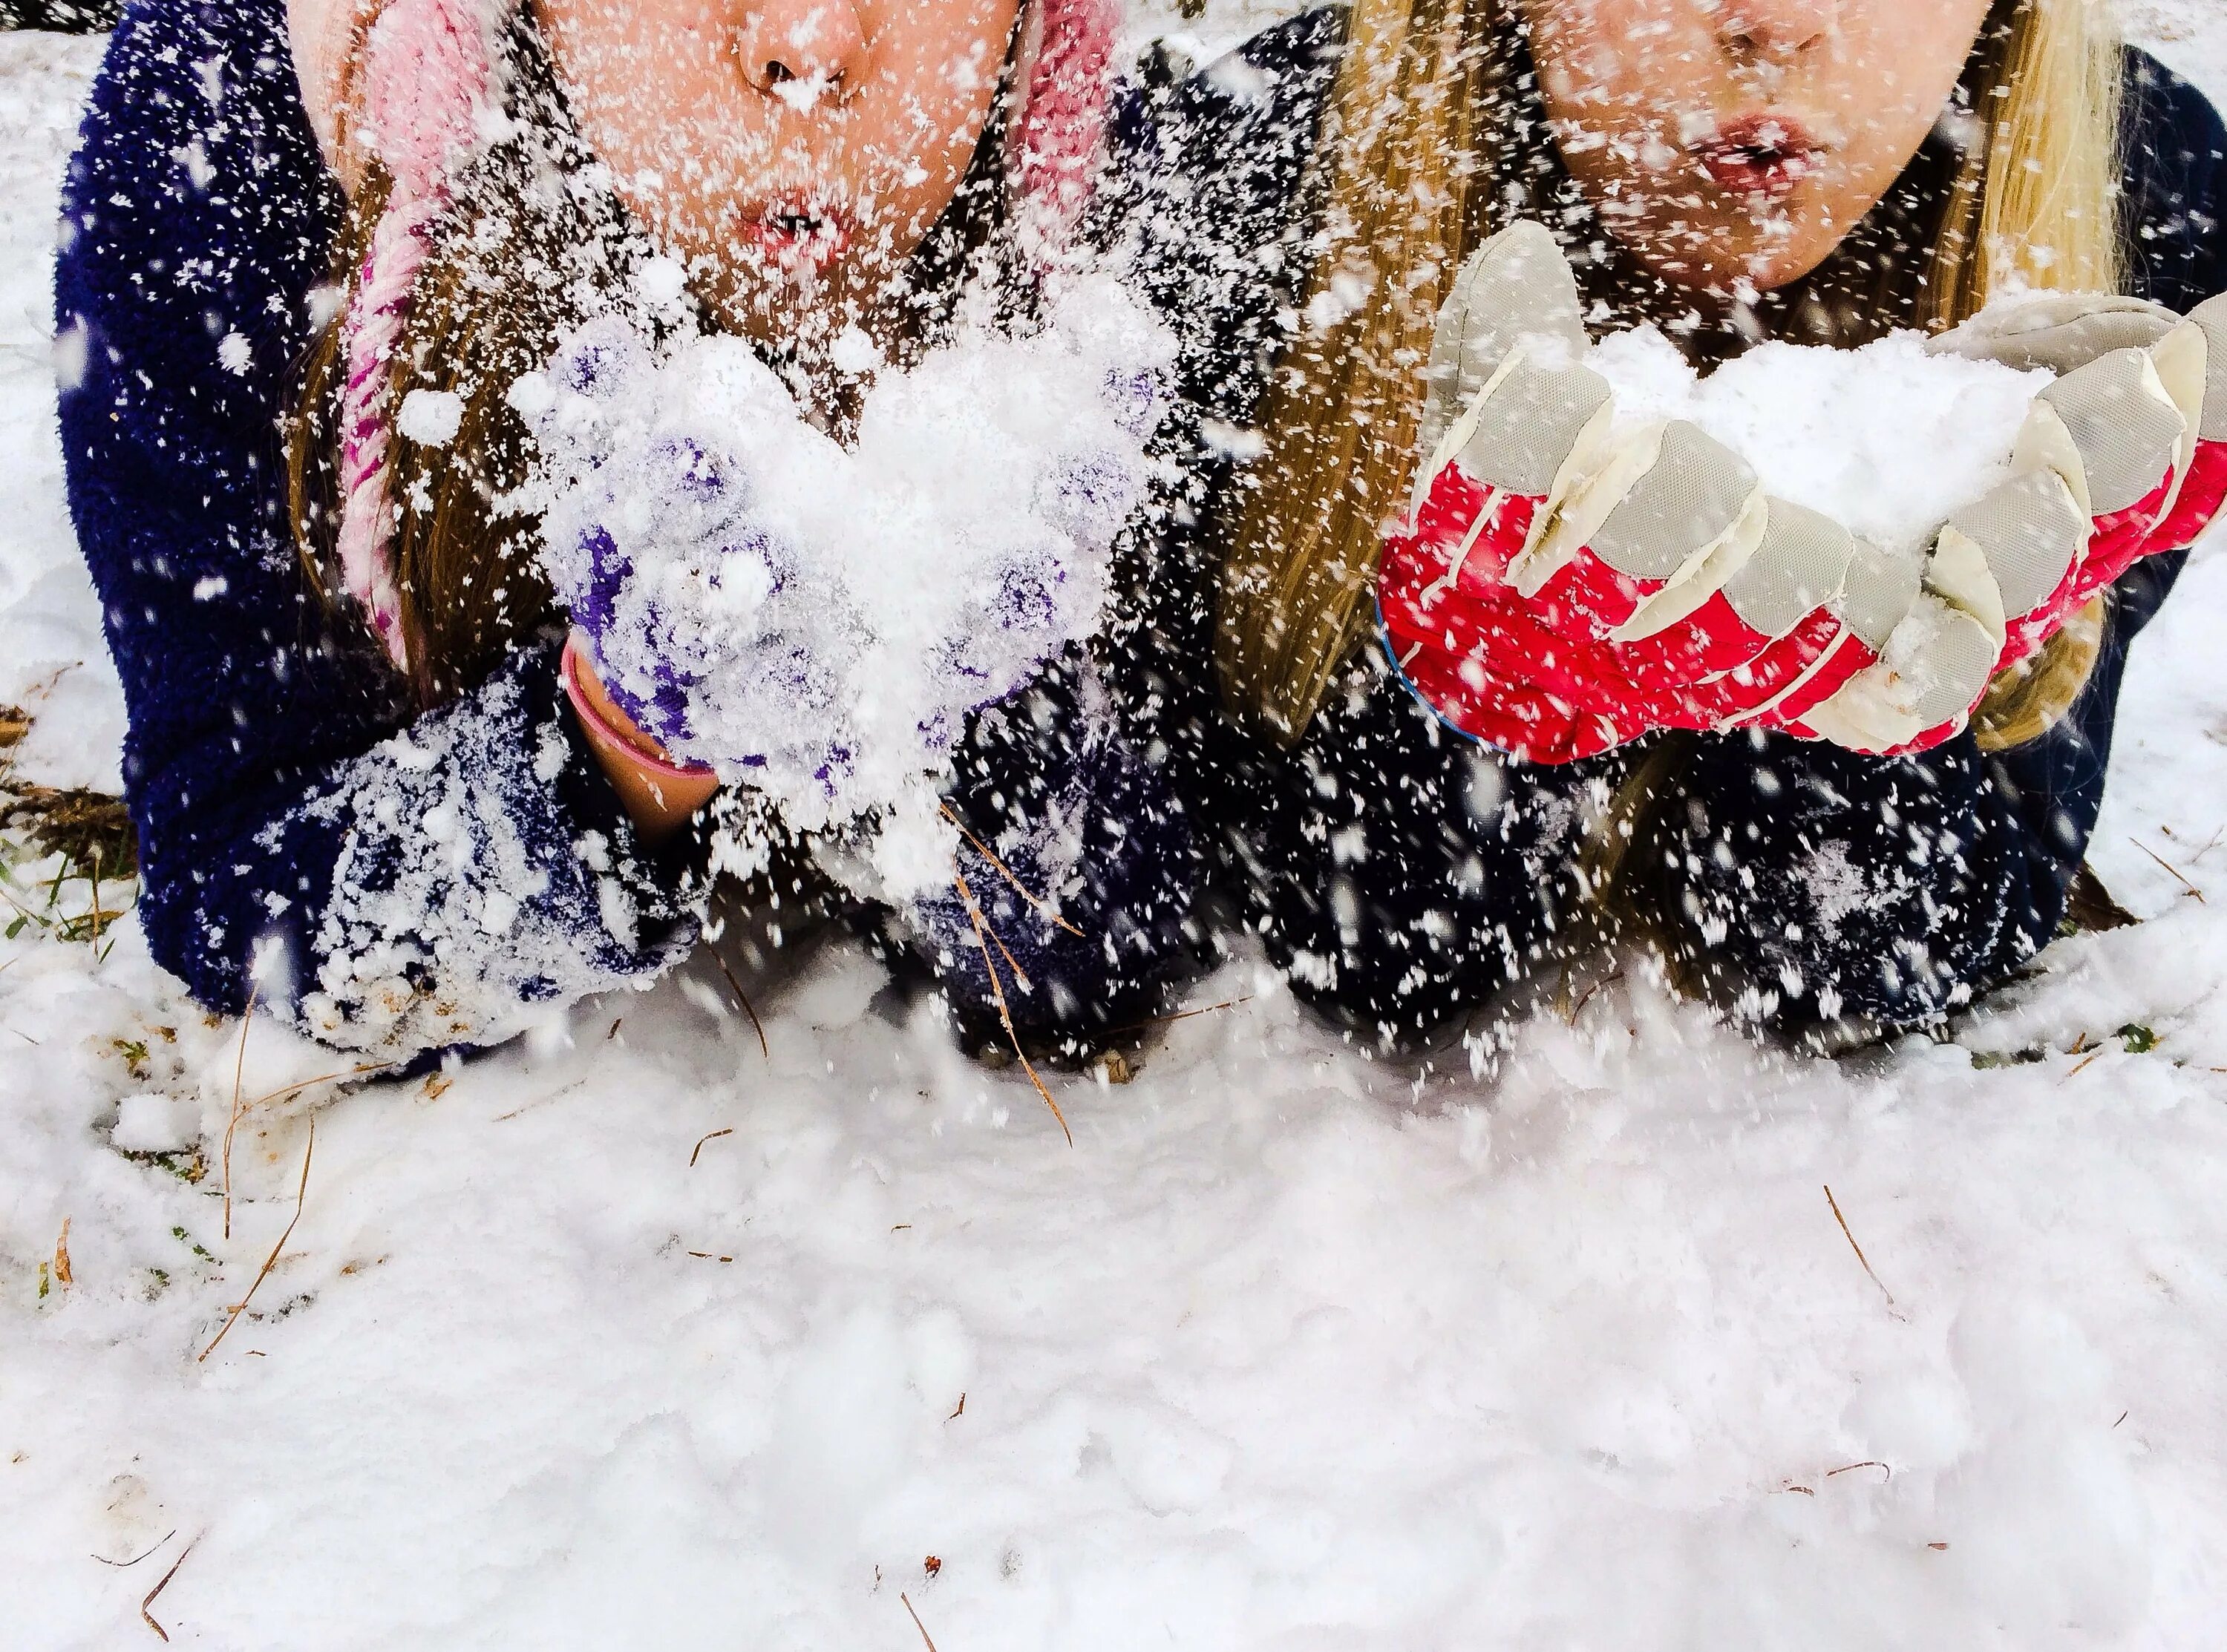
(1762, 157)
(803, 236)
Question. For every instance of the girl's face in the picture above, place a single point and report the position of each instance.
(794, 153)
(1731, 141)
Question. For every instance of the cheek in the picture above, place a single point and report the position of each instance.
(643, 80)
(1607, 62)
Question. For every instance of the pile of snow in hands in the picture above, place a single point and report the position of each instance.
(1886, 440)
(817, 621)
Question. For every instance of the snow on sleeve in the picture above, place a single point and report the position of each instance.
(468, 896)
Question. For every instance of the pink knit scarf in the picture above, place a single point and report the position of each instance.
(427, 78)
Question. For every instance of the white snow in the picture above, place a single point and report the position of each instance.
(1886, 440)
(1290, 1351)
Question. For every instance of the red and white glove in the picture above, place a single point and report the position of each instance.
(1563, 587)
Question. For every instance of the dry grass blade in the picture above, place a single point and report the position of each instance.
(1005, 1014)
(149, 1601)
(288, 1092)
(238, 1074)
(741, 997)
(1180, 1015)
(1855, 1246)
(2178, 874)
(301, 1197)
(63, 1275)
(1019, 889)
(125, 1566)
(714, 1136)
(917, 1624)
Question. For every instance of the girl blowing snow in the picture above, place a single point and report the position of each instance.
(334, 276)
(1600, 676)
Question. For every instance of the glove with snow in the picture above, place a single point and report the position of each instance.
(816, 620)
(1567, 585)
(655, 553)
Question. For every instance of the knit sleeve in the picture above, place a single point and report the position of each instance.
(400, 883)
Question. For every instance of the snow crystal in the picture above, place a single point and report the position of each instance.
(1886, 440)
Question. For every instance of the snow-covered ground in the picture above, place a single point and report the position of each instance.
(640, 1337)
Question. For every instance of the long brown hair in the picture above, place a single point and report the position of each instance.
(1433, 139)
(526, 245)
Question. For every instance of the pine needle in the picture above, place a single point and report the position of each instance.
(741, 997)
(301, 1197)
(1859, 1249)
(1005, 1014)
(714, 1136)
(125, 1566)
(149, 1601)
(1019, 889)
(917, 1624)
(1868, 1463)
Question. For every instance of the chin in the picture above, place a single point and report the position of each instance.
(1728, 254)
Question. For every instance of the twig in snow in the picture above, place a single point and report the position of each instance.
(150, 1600)
(1855, 1246)
(238, 1072)
(917, 1624)
(1019, 889)
(301, 1197)
(2169, 867)
(2082, 1066)
(288, 1092)
(125, 1566)
(741, 997)
(1180, 1015)
(1005, 1014)
(960, 1410)
(714, 1136)
(1868, 1463)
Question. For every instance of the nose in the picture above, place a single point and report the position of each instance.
(1773, 29)
(788, 40)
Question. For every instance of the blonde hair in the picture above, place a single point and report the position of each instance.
(1412, 187)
